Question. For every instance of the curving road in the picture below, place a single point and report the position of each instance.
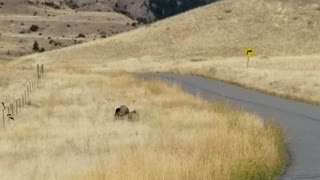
(300, 121)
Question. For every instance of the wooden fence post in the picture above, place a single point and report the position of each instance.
(28, 91)
(3, 118)
(25, 97)
(38, 72)
(8, 114)
(22, 99)
(42, 69)
(12, 111)
(38, 68)
(16, 106)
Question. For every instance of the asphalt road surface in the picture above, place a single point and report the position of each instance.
(299, 121)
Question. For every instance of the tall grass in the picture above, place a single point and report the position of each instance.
(69, 133)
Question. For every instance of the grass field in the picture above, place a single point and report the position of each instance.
(68, 131)
(210, 41)
(293, 77)
(58, 28)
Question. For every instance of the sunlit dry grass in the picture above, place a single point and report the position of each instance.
(210, 42)
(68, 132)
(289, 77)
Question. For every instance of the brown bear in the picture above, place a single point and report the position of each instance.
(121, 112)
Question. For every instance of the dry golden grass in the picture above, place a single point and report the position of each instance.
(68, 132)
(209, 41)
(18, 15)
(289, 77)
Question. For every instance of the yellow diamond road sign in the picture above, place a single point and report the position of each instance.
(249, 52)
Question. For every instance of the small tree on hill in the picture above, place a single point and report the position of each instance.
(36, 47)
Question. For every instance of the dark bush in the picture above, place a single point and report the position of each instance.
(34, 28)
(52, 4)
(81, 35)
(142, 20)
(36, 47)
(134, 24)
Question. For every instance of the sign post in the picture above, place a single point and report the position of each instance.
(248, 52)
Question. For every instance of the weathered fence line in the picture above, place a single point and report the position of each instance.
(14, 108)
(8, 115)
(3, 119)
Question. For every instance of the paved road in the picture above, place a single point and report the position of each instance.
(301, 122)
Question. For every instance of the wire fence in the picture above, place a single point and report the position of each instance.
(11, 110)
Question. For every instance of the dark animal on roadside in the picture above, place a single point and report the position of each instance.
(121, 112)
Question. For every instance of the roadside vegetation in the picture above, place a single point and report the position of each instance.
(68, 132)
(288, 77)
(210, 41)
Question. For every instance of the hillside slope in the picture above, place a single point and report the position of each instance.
(58, 26)
(210, 41)
(224, 28)
(60, 22)
(144, 11)
(135, 9)
(67, 130)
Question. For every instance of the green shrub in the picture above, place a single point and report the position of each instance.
(251, 170)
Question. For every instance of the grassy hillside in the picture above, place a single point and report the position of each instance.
(225, 28)
(67, 131)
(210, 41)
(58, 26)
